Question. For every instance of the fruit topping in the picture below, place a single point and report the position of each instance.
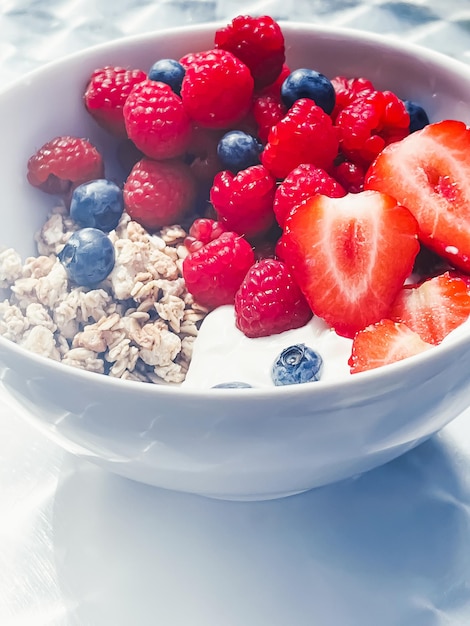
(383, 343)
(258, 42)
(418, 116)
(156, 120)
(88, 256)
(63, 163)
(296, 365)
(97, 204)
(350, 256)
(238, 150)
(214, 272)
(244, 201)
(159, 193)
(433, 308)
(305, 135)
(269, 301)
(168, 71)
(217, 89)
(307, 83)
(106, 94)
(428, 172)
(302, 183)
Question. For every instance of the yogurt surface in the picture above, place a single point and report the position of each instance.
(222, 353)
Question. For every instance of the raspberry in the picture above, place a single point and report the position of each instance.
(350, 175)
(269, 301)
(244, 201)
(159, 193)
(217, 89)
(275, 87)
(268, 110)
(106, 94)
(305, 135)
(303, 182)
(202, 231)
(370, 123)
(214, 272)
(347, 90)
(156, 120)
(63, 163)
(258, 42)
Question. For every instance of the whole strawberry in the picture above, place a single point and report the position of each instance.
(305, 135)
(269, 301)
(258, 42)
(159, 193)
(244, 201)
(217, 89)
(214, 272)
(156, 121)
(106, 94)
(64, 163)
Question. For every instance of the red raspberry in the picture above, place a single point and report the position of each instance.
(268, 110)
(156, 120)
(302, 183)
(370, 123)
(217, 89)
(275, 87)
(350, 175)
(106, 94)
(347, 90)
(214, 273)
(159, 193)
(269, 301)
(63, 163)
(258, 42)
(202, 231)
(305, 135)
(244, 201)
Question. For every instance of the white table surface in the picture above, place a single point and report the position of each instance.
(81, 547)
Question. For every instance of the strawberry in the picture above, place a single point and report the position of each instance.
(433, 308)
(383, 343)
(429, 173)
(350, 256)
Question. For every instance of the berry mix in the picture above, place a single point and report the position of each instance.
(300, 195)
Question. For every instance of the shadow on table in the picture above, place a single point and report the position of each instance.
(390, 547)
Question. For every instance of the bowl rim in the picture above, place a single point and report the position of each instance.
(361, 379)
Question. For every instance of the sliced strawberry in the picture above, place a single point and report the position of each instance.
(433, 308)
(350, 256)
(429, 173)
(383, 343)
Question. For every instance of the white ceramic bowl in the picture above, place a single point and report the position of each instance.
(226, 443)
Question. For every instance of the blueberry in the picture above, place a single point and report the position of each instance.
(296, 364)
(88, 256)
(418, 116)
(305, 83)
(232, 385)
(168, 71)
(238, 150)
(97, 204)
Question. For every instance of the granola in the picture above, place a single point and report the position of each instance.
(139, 324)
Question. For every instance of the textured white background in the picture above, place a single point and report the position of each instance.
(79, 547)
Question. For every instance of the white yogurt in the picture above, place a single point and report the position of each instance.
(222, 353)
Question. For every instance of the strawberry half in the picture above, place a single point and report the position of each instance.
(383, 343)
(433, 308)
(429, 173)
(350, 256)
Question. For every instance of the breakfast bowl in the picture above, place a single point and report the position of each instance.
(241, 444)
